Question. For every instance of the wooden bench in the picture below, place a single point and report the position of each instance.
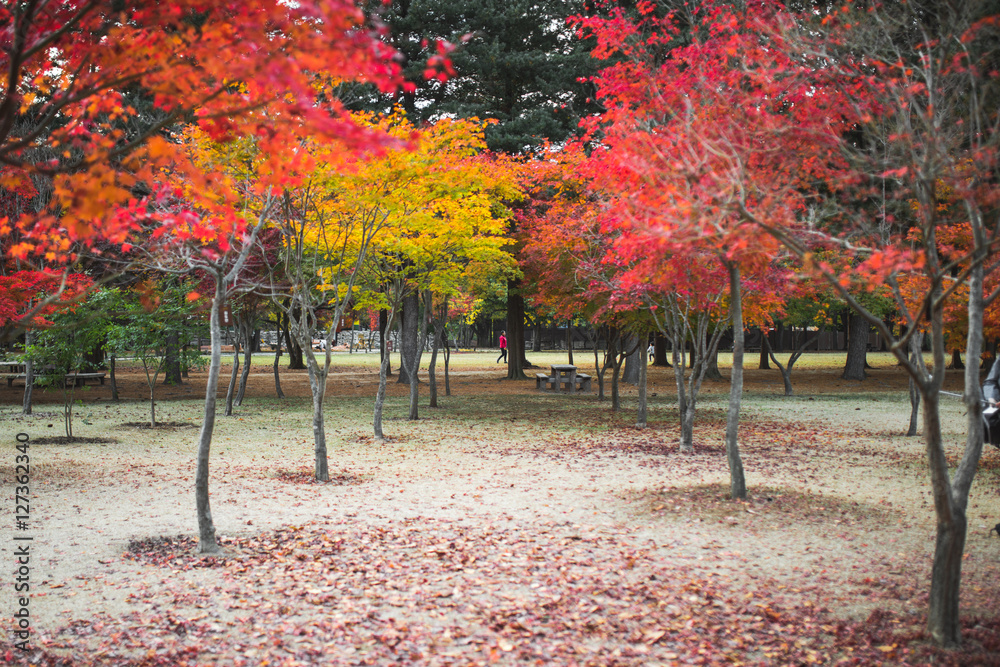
(17, 376)
(582, 382)
(80, 379)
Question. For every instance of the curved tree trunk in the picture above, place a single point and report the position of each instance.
(712, 367)
(230, 393)
(737, 479)
(277, 358)
(206, 528)
(247, 359)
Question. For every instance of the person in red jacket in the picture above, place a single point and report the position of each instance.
(503, 347)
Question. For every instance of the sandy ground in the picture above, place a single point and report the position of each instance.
(860, 527)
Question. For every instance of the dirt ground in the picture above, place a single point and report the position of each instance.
(508, 526)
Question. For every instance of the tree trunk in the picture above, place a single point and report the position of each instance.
(29, 376)
(916, 343)
(383, 376)
(431, 378)
(634, 361)
(172, 360)
(277, 358)
(317, 382)
(951, 499)
(712, 371)
(247, 360)
(383, 344)
(230, 393)
(152, 406)
(206, 528)
(737, 479)
(295, 360)
(112, 362)
(956, 360)
(413, 367)
(408, 342)
(765, 348)
(516, 363)
(641, 416)
(857, 347)
(660, 350)
(616, 404)
(685, 404)
(569, 341)
(447, 347)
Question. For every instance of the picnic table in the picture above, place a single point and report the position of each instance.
(563, 375)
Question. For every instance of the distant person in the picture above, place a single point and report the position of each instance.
(503, 347)
(650, 353)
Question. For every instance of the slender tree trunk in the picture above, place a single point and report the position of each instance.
(29, 376)
(112, 363)
(206, 528)
(230, 393)
(569, 341)
(857, 347)
(641, 415)
(383, 376)
(447, 347)
(383, 343)
(317, 382)
(916, 343)
(685, 404)
(247, 360)
(152, 407)
(277, 358)
(431, 368)
(737, 479)
(951, 497)
(616, 404)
